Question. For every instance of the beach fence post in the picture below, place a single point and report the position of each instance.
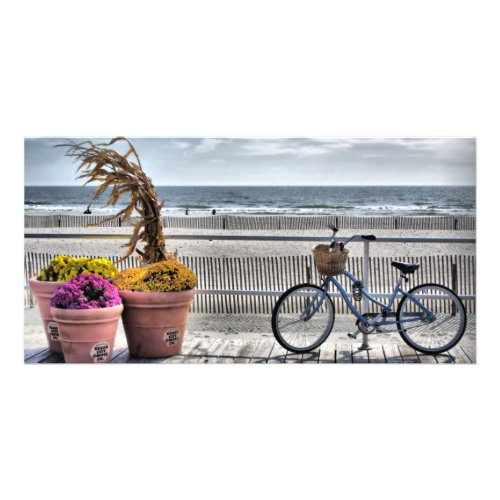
(454, 287)
(365, 345)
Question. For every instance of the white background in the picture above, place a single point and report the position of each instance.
(222, 68)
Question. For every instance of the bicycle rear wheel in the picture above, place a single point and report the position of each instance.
(427, 334)
(303, 318)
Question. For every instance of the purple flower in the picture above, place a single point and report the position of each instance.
(86, 291)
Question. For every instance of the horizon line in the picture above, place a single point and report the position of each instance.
(270, 185)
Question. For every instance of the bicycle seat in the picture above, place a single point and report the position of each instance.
(405, 268)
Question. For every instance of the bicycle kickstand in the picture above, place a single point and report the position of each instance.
(365, 346)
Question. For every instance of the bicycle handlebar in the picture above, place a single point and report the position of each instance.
(366, 237)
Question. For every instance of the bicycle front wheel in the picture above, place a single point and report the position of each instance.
(303, 318)
(432, 319)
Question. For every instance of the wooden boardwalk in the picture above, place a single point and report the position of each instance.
(235, 351)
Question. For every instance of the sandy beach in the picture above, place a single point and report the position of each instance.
(114, 247)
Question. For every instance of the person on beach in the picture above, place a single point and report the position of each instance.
(187, 211)
(213, 211)
(87, 212)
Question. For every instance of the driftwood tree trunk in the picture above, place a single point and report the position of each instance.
(99, 163)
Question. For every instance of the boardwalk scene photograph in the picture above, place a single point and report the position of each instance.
(258, 245)
(245, 232)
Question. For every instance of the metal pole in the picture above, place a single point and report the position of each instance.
(365, 346)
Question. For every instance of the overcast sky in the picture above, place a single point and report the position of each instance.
(294, 161)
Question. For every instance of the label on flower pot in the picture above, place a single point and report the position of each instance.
(100, 352)
(171, 336)
(53, 331)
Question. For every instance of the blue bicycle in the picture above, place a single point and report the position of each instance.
(430, 318)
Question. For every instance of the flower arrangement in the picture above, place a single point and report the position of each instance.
(86, 291)
(165, 276)
(165, 314)
(63, 268)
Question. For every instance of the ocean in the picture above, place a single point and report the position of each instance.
(269, 200)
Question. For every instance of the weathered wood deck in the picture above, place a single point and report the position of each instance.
(206, 350)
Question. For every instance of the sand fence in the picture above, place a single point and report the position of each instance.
(269, 222)
(241, 277)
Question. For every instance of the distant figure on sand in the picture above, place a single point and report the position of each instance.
(87, 212)
(213, 211)
(187, 211)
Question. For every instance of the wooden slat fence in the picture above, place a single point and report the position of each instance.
(270, 222)
(280, 273)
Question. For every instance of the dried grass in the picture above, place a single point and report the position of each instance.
(124, 175)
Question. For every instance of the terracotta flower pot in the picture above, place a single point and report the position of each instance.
(87, 335)
(155, 322)
(43, 291)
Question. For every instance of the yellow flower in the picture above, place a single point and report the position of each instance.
(166, 276)
(129, 278)
(63, 268)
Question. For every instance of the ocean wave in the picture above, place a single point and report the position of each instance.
(74, 209)
(310, 209)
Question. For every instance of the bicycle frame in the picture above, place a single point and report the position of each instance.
(381, 318)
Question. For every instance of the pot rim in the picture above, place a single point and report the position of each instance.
(36, 280)
(86, 311)
(158, 294)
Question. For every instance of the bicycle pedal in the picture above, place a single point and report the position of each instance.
(379, 330)
(352, 335)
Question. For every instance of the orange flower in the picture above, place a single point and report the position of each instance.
(165, 276)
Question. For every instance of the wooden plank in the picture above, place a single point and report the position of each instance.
(199, 350)
(470, 351)
(52, 357)
(231, 350)
(245, 353)
(408, 354)
(344, 353)
(376, 354)
(263, 351)
(31, 353)
(392, 354)
(278, 354)
(426, 358)
(187, 345)
(293, 357)
(444, 357)
(117, 351)
(121, 357)
(459, 355)
(359, 355)
(135, 360)
(311, 357)
(214, 350)
(327, 353)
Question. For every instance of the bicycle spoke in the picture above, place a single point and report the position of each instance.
(300, 322)
(435, 334)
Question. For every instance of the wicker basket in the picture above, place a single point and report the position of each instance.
(330, 261)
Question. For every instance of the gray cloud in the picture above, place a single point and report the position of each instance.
(260, 161)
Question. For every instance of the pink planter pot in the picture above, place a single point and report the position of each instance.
(87, 335)
(43, 291)
(155, 322)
